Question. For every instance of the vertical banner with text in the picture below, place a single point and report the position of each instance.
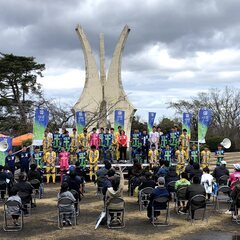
(151, 118)
(40, 124)
(186, 123)
(80, 121)
(118, 119)
(204, 120)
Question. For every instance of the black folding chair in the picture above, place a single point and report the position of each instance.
(143, 197)
(3, 190)
(171, 188)
(223, 196)
(223, 180)
(180, 196)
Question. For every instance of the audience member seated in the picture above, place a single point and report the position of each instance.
(172, 175)
(4, 178)
(159, 191)
(235, 176)
(64, 192)
(196, 171)
(163, 169)
(34, 174)
(235, 195)
(108, 181)
(193, 190)
(14, 211)
(148, 182)
(207, 182)
(220, 171)
(102, 173)
(183, 182)
(189, 168)
(25, 189)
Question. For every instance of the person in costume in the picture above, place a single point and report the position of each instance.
(93, 162)
(101, 144)
(50, 165)
(173, 141)
(107, 144)
(135, 143)
(114, 143)
(219, 155)
(47, 142)
(154, 137)
(24, 159)
(184, 141)
(74, 141)
(205, 157)
(117, 134)
(64, 162)
(194, 154)
(10, 161)
(181, 158)
(57, 140)
(163, 141)
(38, 158)
(166, 154)
(144, 139)
(84, 140)
(94, 138)
(82, 158)
(153, 155)
(122, 142)
(66, 141)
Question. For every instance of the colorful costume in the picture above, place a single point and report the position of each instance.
(107, 144)
(57, 140)
(82, 158)
(181, 158)
(84, 139)
(47, 143)
(154, 138)
(135, 144)
(194, 156)
(38, 159)
(205, 158)
(184, 141)
(153, 157)
(219, 155)
(93, 161)
(74, 142)
(167, 155)
(66, 143)
(64, 163)
(94, 140)
(163, 141)
(101, 145)
(50, 166)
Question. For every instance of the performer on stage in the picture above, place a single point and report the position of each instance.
(166, 154)
(24, 159)
(154, 137)
(94, 138)
(10, 161)
(181, 158)
(173, 141)
(194, 154)
(47, 142)
(84, 140)
(205, 157)
(117, 134)
(101, 144)
(38, 158)
(57, 140)
(122, 142)
(107, 144)
(163, 141)
(93, 161)
(50, 165)
(160, 133)
(64, 162)
(184, 141)
(145, 144)
(66, 141)
(219, 155)
(153, 155)
(74, 141)
(114, 144)
(82, 158)
(135, 143)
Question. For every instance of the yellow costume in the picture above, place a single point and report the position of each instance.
(84, 140)
(184, 141)
(205, 158)
(153, 157)
(181, 157)
(93, 161)
(117, 145)
(50, 165)
(47, 143)
(74, 142)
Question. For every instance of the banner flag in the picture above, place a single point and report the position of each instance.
(118, 119)
(204, 120)
(186, 123)
(7, 143)
(40, 124)
(80, 121)
(151, 117)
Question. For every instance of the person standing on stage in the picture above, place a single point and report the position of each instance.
(24, 159)
(57, 139)
(114, 144)
(166, 154)
(163, 141)
(10, 161)
(135, 143)
(194, 154)
(66, 141)
(173, 141)
(94, 139)
(47, 142)
(160, 133)
(84, 140)
(145, 144)
(219, 155)
(117, 134)
(184, 141)
(154, 137)
(153, 155)
(38, 157)
(64, 162)
(74, 141)
(107, 145)
(181, 158)
(122, 142)
(82, 158)
(101, 144)
(93, 162)
(205, 157)
(50, 165)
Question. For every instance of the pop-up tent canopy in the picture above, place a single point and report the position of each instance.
(18, 141)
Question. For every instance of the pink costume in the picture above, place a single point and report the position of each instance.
(233, 178)
(64, 165)
(94, 140)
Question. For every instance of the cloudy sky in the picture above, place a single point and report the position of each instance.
(175, 49)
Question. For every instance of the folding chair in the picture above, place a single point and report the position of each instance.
(76, 204)
(64, 208)
(143, 197)
(171, 188)
(158, 205)
(3, 190)
(236, 209)
(115, 210)
(26, 201)
(36, 191)
(7, 215)
(99, 192)
(180, 196)
(223, 180)
(223, 195)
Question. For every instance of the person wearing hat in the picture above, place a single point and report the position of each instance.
(159, 191)
(235, 176)
(220, 171)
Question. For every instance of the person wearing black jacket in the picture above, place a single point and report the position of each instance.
(3, 181)
(148, 182)
(196, 171)
(220, 171)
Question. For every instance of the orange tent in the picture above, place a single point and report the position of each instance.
(17, 141)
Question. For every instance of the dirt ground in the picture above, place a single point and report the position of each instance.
(42, 224)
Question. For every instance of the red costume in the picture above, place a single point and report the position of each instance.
(94, 140)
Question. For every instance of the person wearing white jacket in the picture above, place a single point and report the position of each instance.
(207, 182)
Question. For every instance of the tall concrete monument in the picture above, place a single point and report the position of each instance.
(102, 94)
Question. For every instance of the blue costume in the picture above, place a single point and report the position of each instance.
(166, 155)
(135, 144)
(38, 158)
(194, 156)
(107, 142)
(66, 142)
(144, 139)
(220, 156)
(57, 141)
(10, 162)
(163, 141)
(101, 145)
(24, 158)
